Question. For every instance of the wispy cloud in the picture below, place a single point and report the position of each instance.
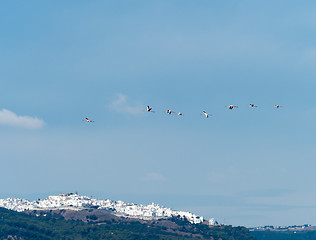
(121, 105)
(8, 118)
(152, 176)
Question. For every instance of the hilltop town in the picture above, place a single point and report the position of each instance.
(74, 201)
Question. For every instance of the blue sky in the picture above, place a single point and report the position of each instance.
(107, 60)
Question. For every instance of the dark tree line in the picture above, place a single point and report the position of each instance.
(49, 227)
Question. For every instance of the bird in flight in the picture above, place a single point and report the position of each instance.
(205, 114)
(231, 106)
(277, 106)
(252, 105)
(149, 109)
(169, 111)
(88, 120)
(179, 114)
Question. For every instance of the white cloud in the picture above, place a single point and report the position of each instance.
(152, 176)
(121, 105)
(8, 118)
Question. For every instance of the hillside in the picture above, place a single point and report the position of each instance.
(87, 224)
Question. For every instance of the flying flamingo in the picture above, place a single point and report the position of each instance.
(205, 114)
(277, 106)
(88, 120)
(231, 106)
(149, 109)
(169, 111)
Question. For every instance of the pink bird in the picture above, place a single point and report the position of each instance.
(149, 109)
(88, 120)
(169, 111)
(277, 106)
(231, 106)
(205, 114)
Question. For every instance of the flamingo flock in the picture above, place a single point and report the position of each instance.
(204, 113)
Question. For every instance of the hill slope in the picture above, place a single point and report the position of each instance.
(53, 225)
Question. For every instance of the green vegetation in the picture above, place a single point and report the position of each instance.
(225, 232)
(48, 227)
